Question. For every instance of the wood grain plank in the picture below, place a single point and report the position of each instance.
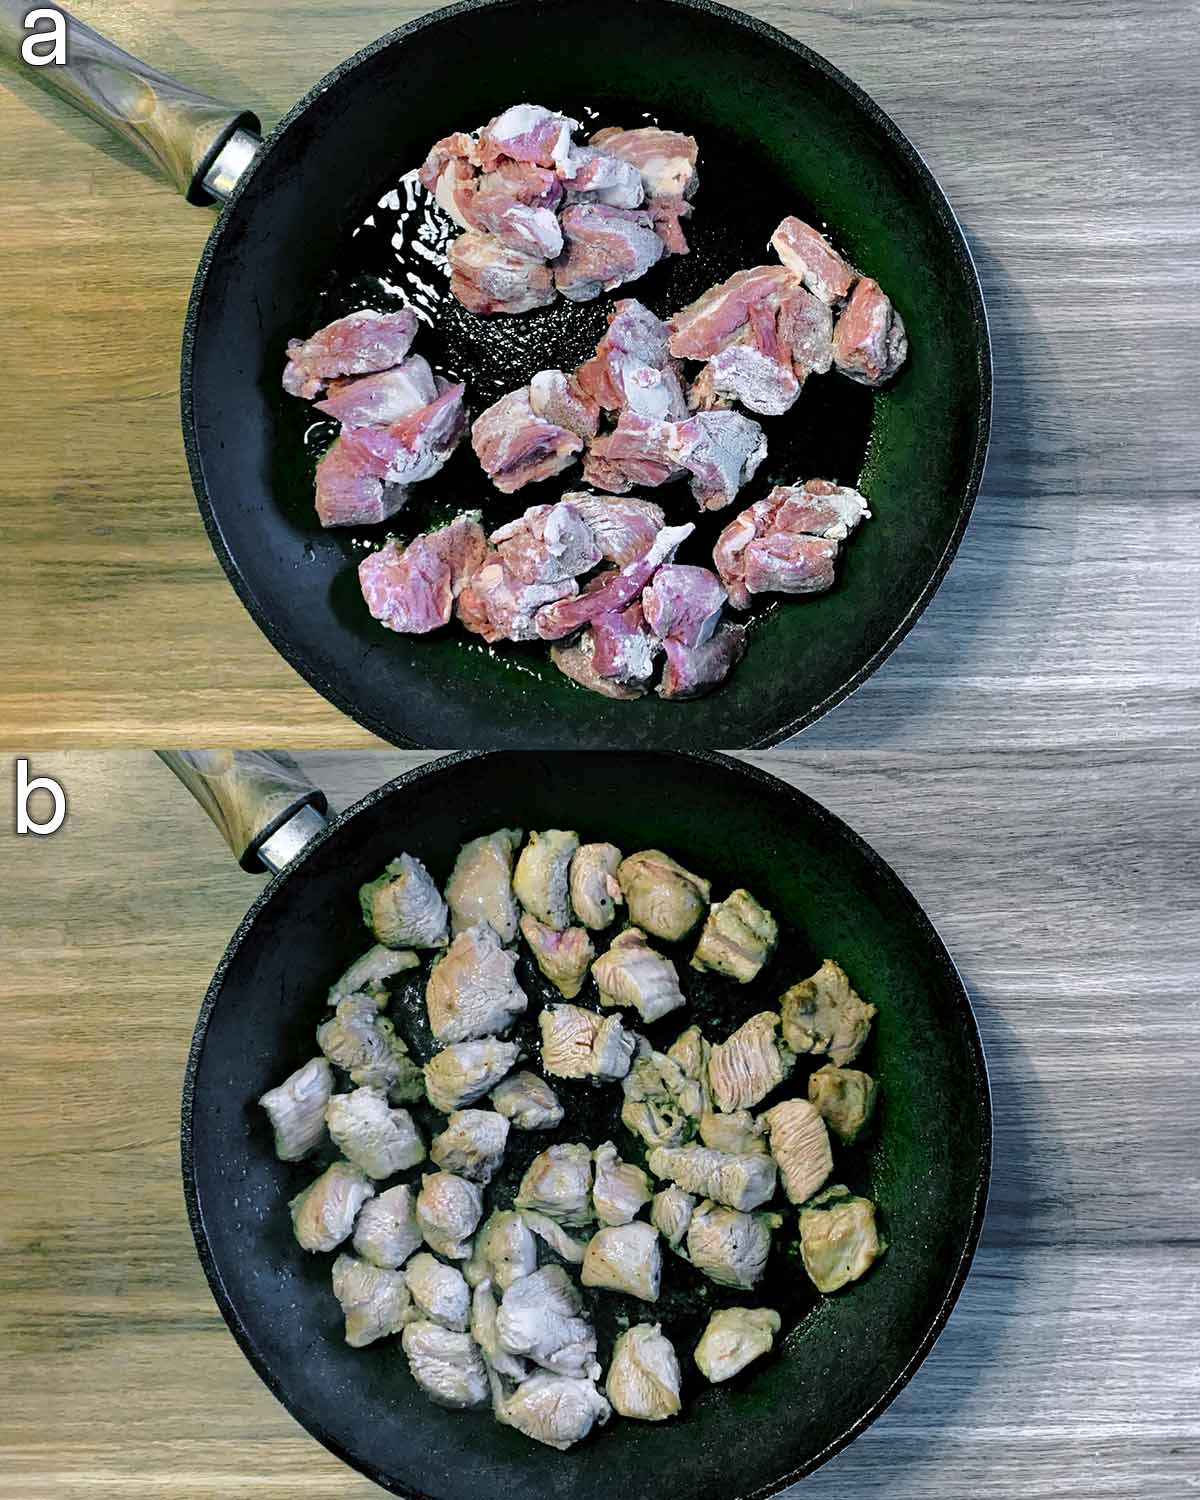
(1066, 137)
(1063, 882)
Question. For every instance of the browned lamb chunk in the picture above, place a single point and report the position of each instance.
(813, 261)
(358, 344)
(606, 247)
(869, 341)
(490, 277)
(547, 543)
(692, 671)
(721, 316)
(562, 400)
(517, 447)
(412, 589)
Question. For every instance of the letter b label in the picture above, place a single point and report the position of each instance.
(26, 823)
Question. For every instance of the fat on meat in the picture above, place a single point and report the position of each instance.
(517, 447)
(488, 276)
(812, 260)
(376, 400)
(547, 544)
(526, 133)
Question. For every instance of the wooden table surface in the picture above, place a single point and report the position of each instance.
(1064, 884)
(1066, 137)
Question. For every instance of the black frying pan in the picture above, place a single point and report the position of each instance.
(781, 131)
(841, 1359)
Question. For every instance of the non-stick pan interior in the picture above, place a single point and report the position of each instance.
(780, 133)
(926, 1166)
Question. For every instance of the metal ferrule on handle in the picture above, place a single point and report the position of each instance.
(199, 144)
(264, 805)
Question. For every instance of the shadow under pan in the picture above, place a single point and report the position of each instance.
(309, 236)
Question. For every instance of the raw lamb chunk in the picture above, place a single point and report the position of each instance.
(615, 592)
(813, 261)
(722, 451)
(516, 203)
(624, 648)
(547, 544)
(456, 147)
(635, 339)
(376, 400)
(349, 487)
(605, 178)
(639, 451)
(869, 341)
(683, 602)
(490, 277)
(412, 589)
(528, 133)
(560, 399)
(692, 671)
(757, 369)
(787, 542)
(624, 529)
(805, 327)
(516, 447)
(605, 247)
(416, 446)
(358, 344)
(666, 159)
(499, 607)
(722, 314)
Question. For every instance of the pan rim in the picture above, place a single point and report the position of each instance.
(275, 631)
(735, 766)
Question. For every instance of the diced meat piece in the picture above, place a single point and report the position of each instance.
(417, 446)
(845, 1098)
(742, 1181)
(702, 394)
(624, 1258)
(541, 1318)
(528, 133)
(387, 1231)
(350, 487)
(624, 647)
(517, 447)
(547, 544)
(667, 214)
(805, 328)
(663, 1100)
(615, 592)
(471, 1145)
(375, 1301)
(439, 1292)
(666, 159)
(683, 602)
(691, 1052)
(365, 1043)
(404, 908)
(553, 1409)
(370, 973)
(722, 314)
(722, 451)
(624, 528)
(655, 394)
(576, 1043)
(296, 1108)
(787, 542)
(458, 146)
(800, 1146)
(595, 893)
(744, 1069)
(560, 399)
(558, 1182)
(728, 1246)
(472, 990)
(839, 1241)
(816, 508)
(505, 1250)
(446, 1365)
(644, 1376)
(480, 884)
(734, 1338)
(414, 588)
(757, 369)
(664, 899)
(465, 1071)
(635, 334)
(449, 1209)
(634, 974)
(639, 451)
(542, 877)
(575, 659)
(516, 203)
(483, 1330)
(554, 1235)
(824, 1014)
(562, 956)
(739, 936)
(783, 564)
(739, 1133)
(671, 1213)
(371, 400)
(605, 247)
(869, 341)
(620, 1190)
(357, 344)
(323, 1214)
(454, 191)
(810, 257)
(489, 277)
(379, 1140)
(528, 1101)
(605, 178)
(499, 607)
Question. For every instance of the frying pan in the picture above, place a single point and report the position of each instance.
(781, 131)
(841, 1359)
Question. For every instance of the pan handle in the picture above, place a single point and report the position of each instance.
(265, 807)
(201, 145)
